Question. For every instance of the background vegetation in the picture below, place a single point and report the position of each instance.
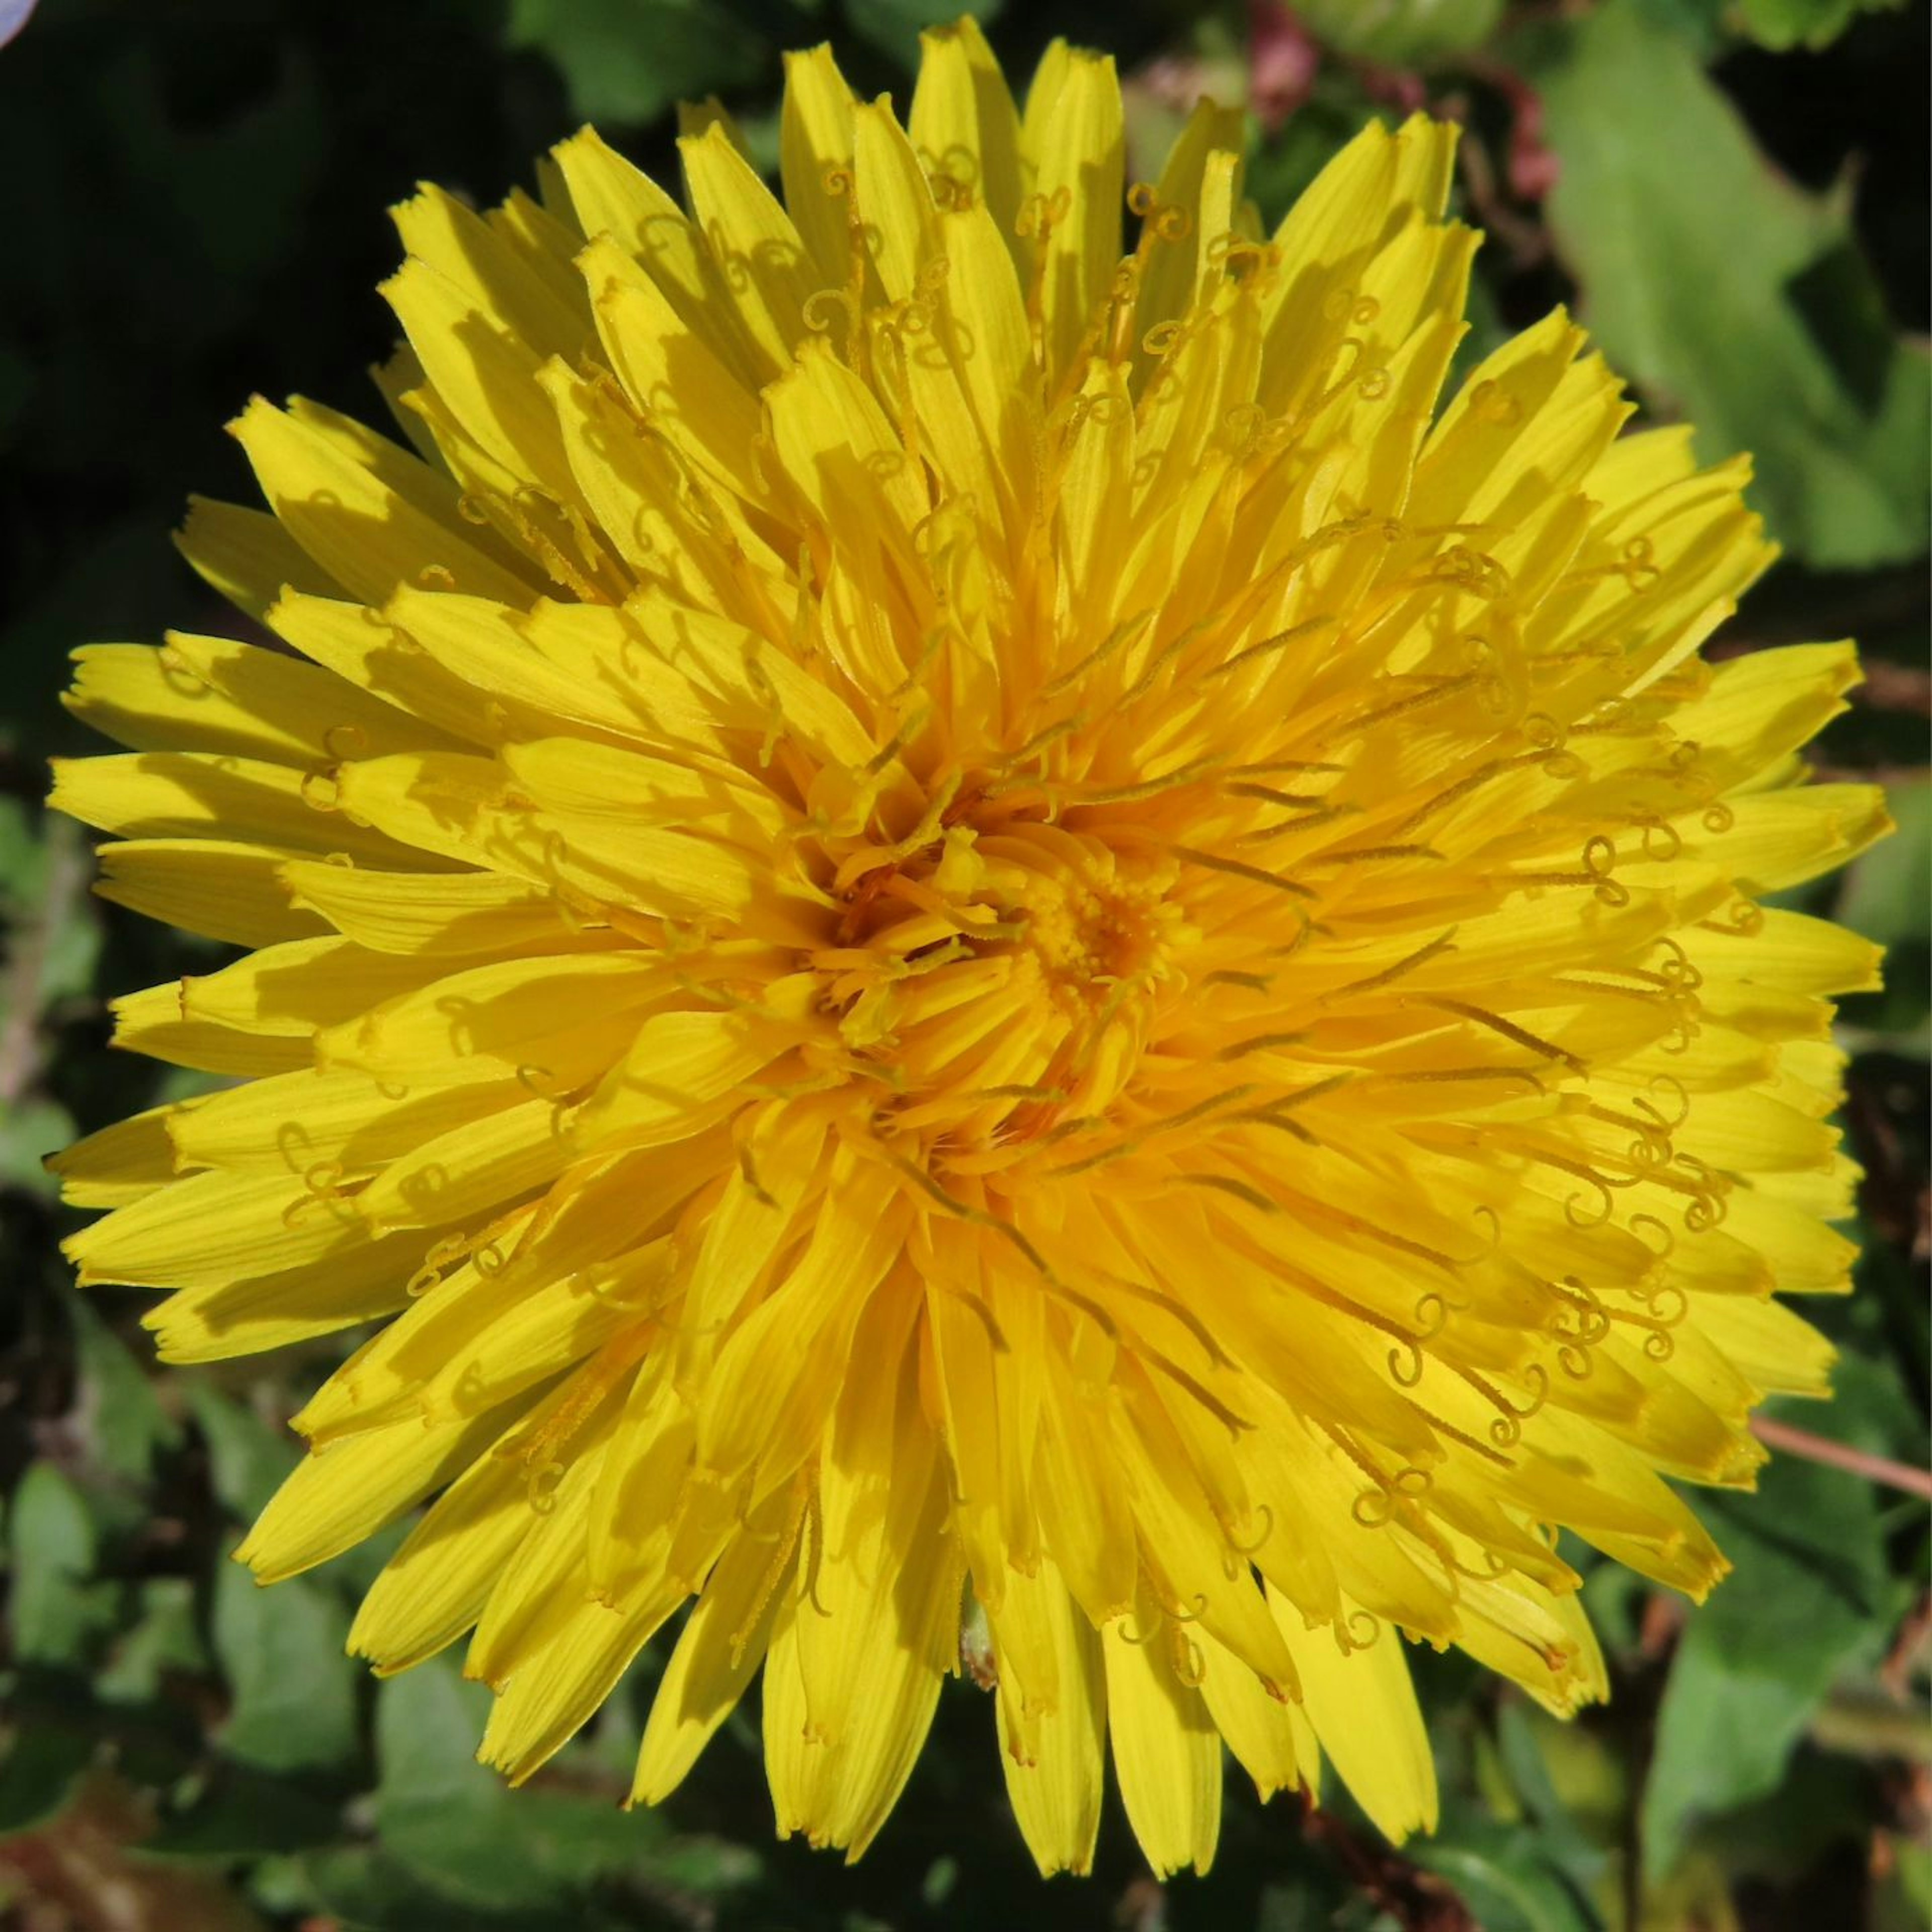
(1733, 191)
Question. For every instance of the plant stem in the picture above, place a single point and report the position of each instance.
(1835, 1455)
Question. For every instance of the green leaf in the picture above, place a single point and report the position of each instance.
(1871, 1407)
(1809, 1598)
(1784, 24)
(121, 1410)
(1506, 1881)
(628, 60)
(1701, 25)
(247, 1459)
(1725, 290)
(1313, 1893)
(457, 1828)
(242, 1814)
(367, 1888)
(1506, 1841)
(56, 1610)
(1714, 26)
(23, 865)
(1521, 1748)
(441, 1815)
(53, 937)
(293, 1689)
(1886, 896)
(164, 1640)
(47, 1760)
(1401, 33)
(1779, 1836)
(30, 1130)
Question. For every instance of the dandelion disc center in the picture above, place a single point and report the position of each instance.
(1003, 976)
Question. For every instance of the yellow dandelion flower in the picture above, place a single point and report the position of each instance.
(995, 955)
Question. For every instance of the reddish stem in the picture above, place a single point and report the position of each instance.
(1835, 1455)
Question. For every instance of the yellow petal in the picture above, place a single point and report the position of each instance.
(1781, 1353)
(296, 1124)
(756, 248)
(1255, 1722)
(371, 523)
(119, 1164)
(685, 376)
(1074, 138)
(1378, 185)
(516, 1012)
(213, 695)
(179, 794)
(1052, 1749)
(241, 1316)
(1167, 1753)
(451, 914)
(472, 1169)
(876, 1627)
(248, 556)
(490, 259)
(221, 888)
(1168, 282)
(435, 1586)
(718, 1653)
(558, 1685)
(482, 374)
(964, 124)
(757, 1407)
(815, 150)
(894, 203)
(298, 988)
(361, 649)
(611, 197)
(679, 1065)
(151, 1022)
(337, 1496)
(210, 1228)
(1362, 1706)
(1782, 838)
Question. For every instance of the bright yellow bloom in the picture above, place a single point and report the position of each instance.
(984, 951)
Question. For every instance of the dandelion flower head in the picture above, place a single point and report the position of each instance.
(983, 942)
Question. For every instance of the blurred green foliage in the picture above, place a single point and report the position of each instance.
(1733, 194)
(1746, 302)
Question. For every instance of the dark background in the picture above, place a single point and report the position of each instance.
(1734, 194)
